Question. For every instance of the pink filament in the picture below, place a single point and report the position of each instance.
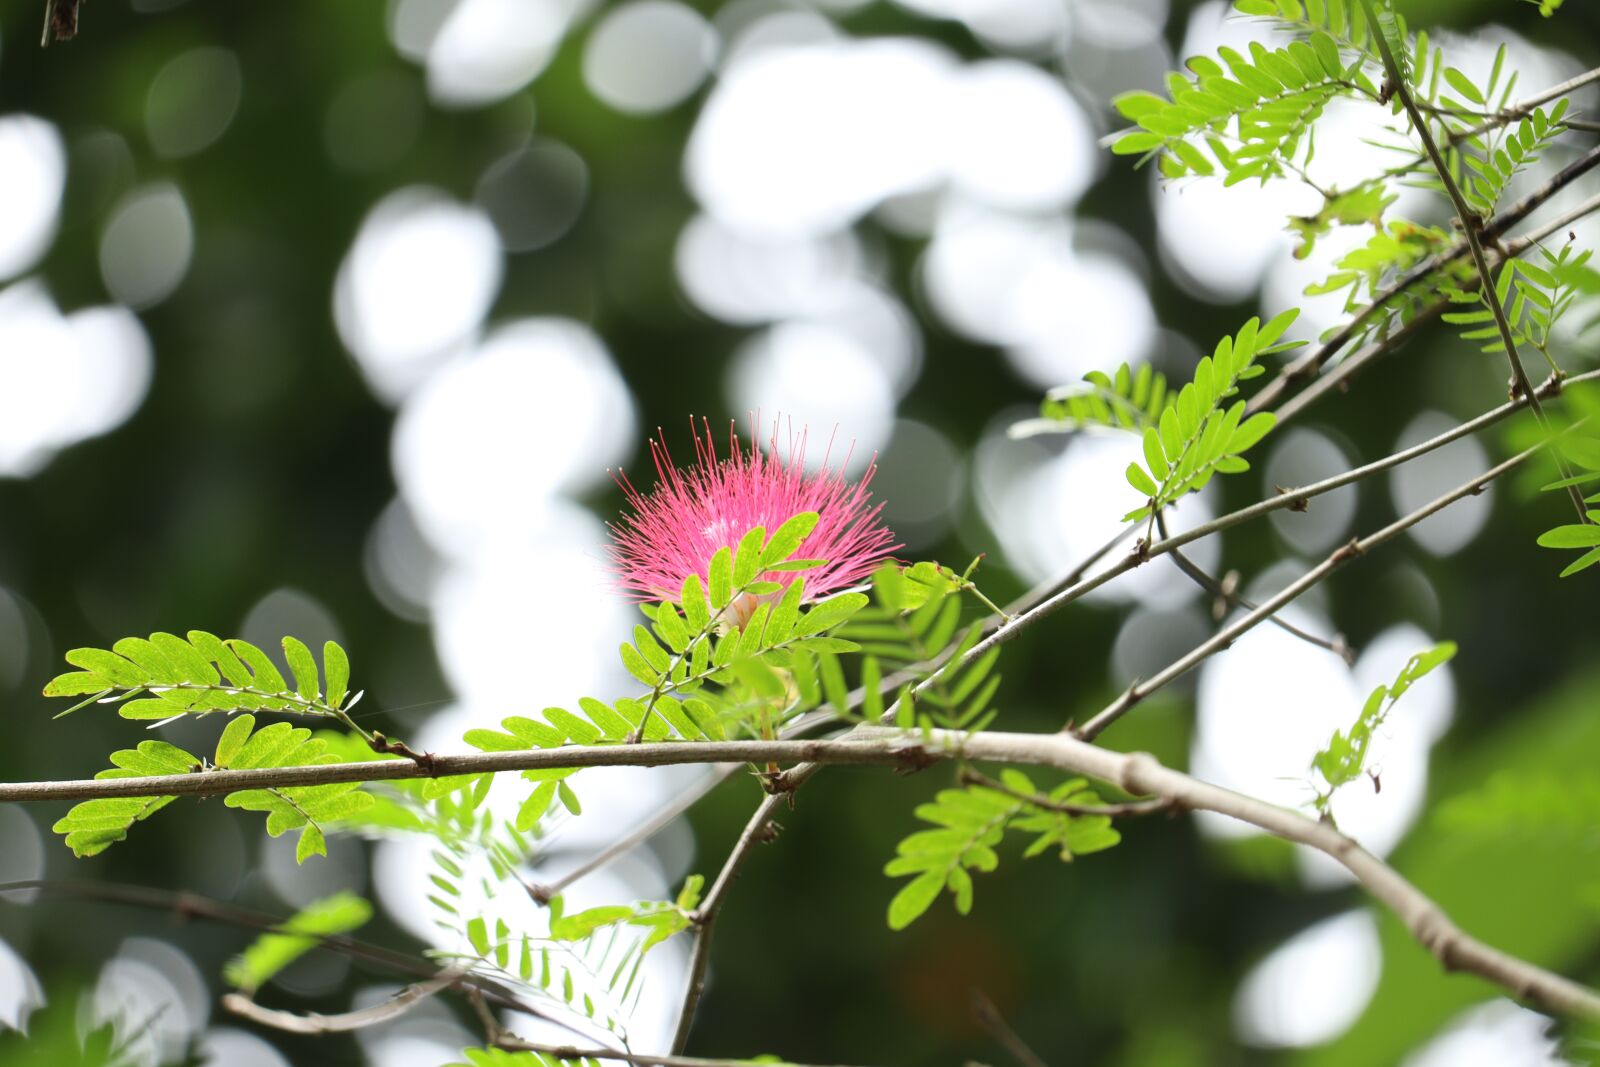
(675, 529)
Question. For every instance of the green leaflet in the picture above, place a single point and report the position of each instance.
(309, 808)
(93, 826)
(199, 675)
(271, 953)
(1344, 759)
(1364, 204)
(591, 962)
(497, 1057)
(1197, 437)
(967, 826)
(1245, 117)
(916, 618)
(659, 920)
(1581, 447)
(1363, 272)
(1130, 400)
(1533, 297)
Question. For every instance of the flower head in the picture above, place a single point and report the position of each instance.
(673, 530)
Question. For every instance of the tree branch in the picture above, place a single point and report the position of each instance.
(1137, 774)
(1140, 774)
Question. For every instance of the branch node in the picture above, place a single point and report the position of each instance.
(913, 758)
(1138, 775)
(1343, 650)
(1349, 550)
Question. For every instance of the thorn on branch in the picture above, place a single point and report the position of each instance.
(423, 760)
(186, 906)
(778, 783)
(1299, 503)
(60, 21)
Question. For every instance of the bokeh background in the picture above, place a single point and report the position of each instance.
(329, 319)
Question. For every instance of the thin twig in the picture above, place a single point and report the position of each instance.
(756, 830)
(1289, 498)
(344, 1022)
(988, 1016)
(513, 1043)
(1524, 108)
(1228, 596)
(1033, 597)
(680, 802)
(1338, 377)
(1225, 637)
(645, 754)
(185, 905)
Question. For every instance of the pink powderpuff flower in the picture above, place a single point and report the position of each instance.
(675, 529)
